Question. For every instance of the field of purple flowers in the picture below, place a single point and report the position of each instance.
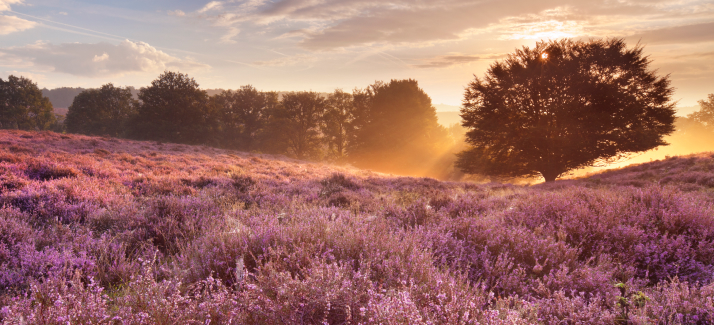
(106, 231)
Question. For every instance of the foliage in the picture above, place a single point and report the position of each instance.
(22, 105)
(705, 115)
(564, 105)
(396, 128)
(174, 109)
(388, 127)
(242, 115)
(296, 123)
(337, 124)
(628, 300)
(102, 111)
(99, 230)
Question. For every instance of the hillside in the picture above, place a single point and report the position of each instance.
(101, 230)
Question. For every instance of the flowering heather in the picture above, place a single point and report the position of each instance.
(107, 231)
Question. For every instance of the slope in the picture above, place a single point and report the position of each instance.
(97, 229)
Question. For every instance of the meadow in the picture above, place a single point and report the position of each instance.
(106, 231)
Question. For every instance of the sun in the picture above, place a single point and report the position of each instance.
(544, 55)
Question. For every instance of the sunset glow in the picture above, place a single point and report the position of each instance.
(322, 45)
(356, 162)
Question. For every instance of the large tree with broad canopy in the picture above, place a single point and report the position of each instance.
(564, 105)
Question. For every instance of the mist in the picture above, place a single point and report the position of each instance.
(689, 138)
(434, 155)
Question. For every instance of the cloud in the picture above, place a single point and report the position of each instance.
(695, 55)
(455, 59)
(552, 24)
(99, 59)
(294, 33)
(177, 13)
(213, 5)
(228, 37)
(694, 33)
(287, 61)
(5, 4)
(331, 24)
(685, 64)
(11, 24)
(35, 77)
(368, 23)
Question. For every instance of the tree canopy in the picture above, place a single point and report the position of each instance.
(174, 109)
(388, 127)
(102, 111)
(298, 120)
(564, 105)
(705, 114)
(337, 123)
(395, 127)
(22, 105)
(242, 114)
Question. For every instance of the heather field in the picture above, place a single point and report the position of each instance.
(105, 231)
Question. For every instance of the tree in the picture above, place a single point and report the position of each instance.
(22, 105)
(705, 115)
(295, 124)
(337, 123)
(174, 109)
(395, 128)
(102, 111)
(243, 113)
(564, 105)
(358, 135)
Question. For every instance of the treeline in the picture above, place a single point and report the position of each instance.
(22, 106)
(387, 126)
(62, 97)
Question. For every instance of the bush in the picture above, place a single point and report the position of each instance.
(155, 235)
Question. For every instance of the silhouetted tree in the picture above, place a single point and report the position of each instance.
(22, 105)
(705, 115)
(337, 123)
(395, 127)
(362, 102)
(102, 111)
(564, 105)
(242, 114)
(174, 109)
(295, 124)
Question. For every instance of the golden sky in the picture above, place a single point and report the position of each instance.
(321, 45)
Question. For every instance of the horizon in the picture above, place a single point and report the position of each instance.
(682, 111)
(321, 46)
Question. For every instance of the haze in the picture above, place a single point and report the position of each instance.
(321, 45)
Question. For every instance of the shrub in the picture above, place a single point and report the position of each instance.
(156, 235)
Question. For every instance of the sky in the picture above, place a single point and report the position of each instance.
(322, 45)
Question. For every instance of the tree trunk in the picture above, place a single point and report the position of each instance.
(549, 176)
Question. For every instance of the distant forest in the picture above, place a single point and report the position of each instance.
(389, 127)
(61, 99)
